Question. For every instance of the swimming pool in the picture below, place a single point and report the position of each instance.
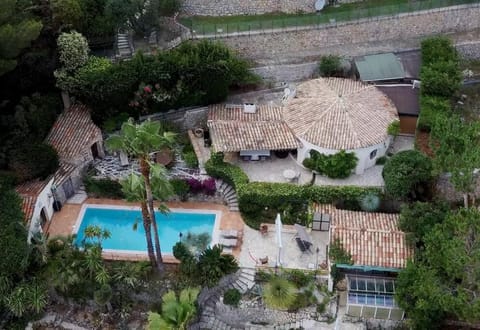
(120, 222)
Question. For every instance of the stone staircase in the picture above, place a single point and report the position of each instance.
(243, 280)
(229, 194)
(124, 46)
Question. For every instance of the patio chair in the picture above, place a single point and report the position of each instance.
(228, 242)
(230, 233)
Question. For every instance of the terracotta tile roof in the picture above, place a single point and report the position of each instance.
(32, 188)
(232, 130)
(373, 239)
(28, 206)
(337, 113)
(63, 173)
(73, 132)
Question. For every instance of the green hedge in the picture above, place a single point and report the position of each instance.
(231, 174)
(437, 49)
(431, 106)
(103, 188)
(259, 202)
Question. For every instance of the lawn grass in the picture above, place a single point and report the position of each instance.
(345, 12)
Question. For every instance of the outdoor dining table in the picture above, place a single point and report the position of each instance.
(289, 174)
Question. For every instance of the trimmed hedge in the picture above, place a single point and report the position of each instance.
(259, 202)
(431, 106)
(103, 188)
(231, 174)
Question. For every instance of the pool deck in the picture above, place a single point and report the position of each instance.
(63, 223)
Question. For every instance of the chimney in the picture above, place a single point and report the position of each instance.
(249, 108)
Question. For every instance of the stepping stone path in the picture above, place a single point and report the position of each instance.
(229, 194)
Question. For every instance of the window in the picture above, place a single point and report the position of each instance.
(373, 154)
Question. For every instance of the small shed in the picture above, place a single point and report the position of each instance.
(78, 141)
(37, 204)
(379, 67)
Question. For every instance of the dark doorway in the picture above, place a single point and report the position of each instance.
(68, 188)
(43, 219)
(94, 149)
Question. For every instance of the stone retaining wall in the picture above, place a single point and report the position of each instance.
(351, 38)
(248, 7)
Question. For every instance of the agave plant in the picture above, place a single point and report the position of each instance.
(176, 312)
(279, 293)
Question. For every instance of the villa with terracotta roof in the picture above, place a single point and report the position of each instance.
(326, 115)
(37, 204)
(78, 141)
(254, 131)
(379, 251)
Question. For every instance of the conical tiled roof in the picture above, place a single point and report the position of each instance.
(335, 113)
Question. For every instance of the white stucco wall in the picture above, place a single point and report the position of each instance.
(44, 201)
(363, 154)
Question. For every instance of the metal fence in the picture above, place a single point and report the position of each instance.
(331, 16)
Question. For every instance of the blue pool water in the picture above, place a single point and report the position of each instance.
(120, 223)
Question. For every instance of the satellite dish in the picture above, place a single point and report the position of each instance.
(319, 4)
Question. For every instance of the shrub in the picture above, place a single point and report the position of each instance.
(103, 188)
(209, 187)
(394, 128)
(231, 174)
(34, 161)
(407, 174)
(279, 293)
(381, 160)
(181, 252)
(437, 49)
(441, 79)
(232, 297)
(195, 185)
(298, 277)
(369, 202)
(190, 159)
(73, 50)
(263, 275)
(339, 165)
(431, 106)
(330, 66)
(338, 255)
(213, 265)
(180, 188)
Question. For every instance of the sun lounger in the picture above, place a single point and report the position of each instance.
(303, 239)
(229, 233)
(228, 242)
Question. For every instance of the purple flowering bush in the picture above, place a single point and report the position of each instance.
(209, 187)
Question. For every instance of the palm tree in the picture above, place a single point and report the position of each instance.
(279, 293)
(139, 140)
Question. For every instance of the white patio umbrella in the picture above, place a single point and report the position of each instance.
(278, 236)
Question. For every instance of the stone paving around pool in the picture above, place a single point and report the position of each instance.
(63, 222)
(256, 246)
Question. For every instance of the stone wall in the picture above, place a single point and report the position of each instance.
(381, 34)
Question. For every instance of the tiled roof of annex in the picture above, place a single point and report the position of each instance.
(233, 130)
(372, 238)
(73, 132)
(29, 192)
(337, 113)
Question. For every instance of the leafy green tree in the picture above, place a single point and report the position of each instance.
(177, 312)
(67, 13)
(407, 174)
(279, 293)
(418, 219)
(31, 161)
(452, 140)
(17, 31)
(441, 79)
(339, 165)
(139, 140)
(330, 66)
(73, 49)
(445, 280)
(437, 49)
